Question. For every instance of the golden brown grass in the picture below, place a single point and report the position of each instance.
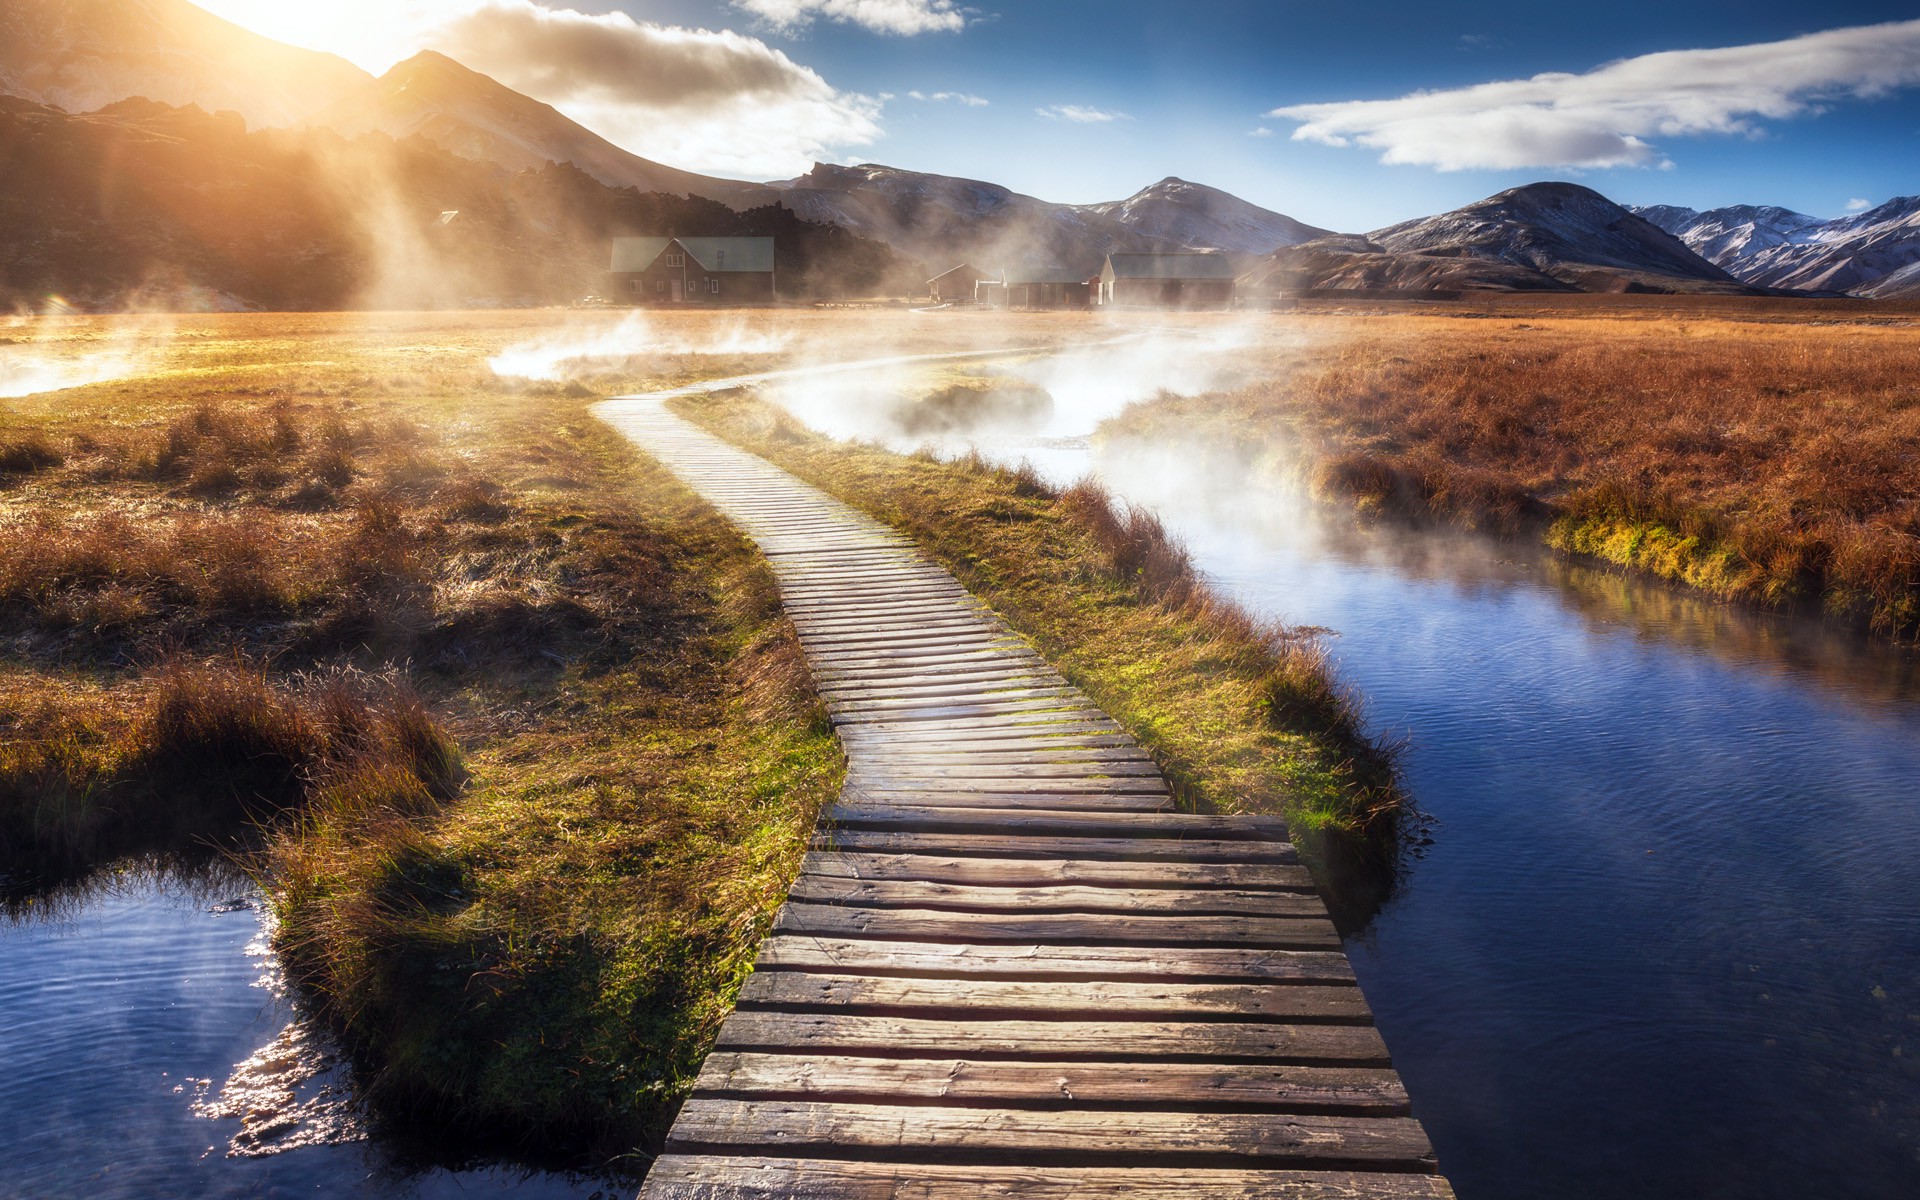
(1747, 453)
(275, 508)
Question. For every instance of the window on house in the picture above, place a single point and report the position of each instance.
(713, 285)
(660, 285)
(676, 260)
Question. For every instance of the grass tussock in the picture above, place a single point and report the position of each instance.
(1770, 461)
(191, 750)
(1243, 716)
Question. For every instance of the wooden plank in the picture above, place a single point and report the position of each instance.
(1054, 929)
(1046, 872)
(1145, 802)
(743, 1177)
(884, 893)
(994, 846)
(1006, 999)
(873, 814)
(1184, 1087)
(1152, 964)
(1142, 1139)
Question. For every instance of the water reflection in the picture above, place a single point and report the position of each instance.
(151, 1051)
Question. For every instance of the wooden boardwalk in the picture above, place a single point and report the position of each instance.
(1009, 967)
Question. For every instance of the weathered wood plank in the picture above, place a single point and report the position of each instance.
(1069, 1138)
(1182, 1087)
(1054, 929)
(1139, 849)
(882, 893)
(1044, 872)
(874, 814)
(687, 1177)
(975, 999)
(1153, 964)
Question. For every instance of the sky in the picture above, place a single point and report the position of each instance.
(1345, 117)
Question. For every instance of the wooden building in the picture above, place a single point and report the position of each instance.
(956, 286)
(1036, 287)
(1187, 280)
(692, 270)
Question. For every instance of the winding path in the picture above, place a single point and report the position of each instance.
(1009, 966)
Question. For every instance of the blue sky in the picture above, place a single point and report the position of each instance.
(1812, 125)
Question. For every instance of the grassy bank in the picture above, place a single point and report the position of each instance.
(507, 721)
(1243, 717)
(1765, 460)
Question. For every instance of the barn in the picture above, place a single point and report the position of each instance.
(692, 270)
(1037, 287)
(1187, 280)
(956, 285)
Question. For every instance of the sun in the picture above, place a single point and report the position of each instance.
(371, 34)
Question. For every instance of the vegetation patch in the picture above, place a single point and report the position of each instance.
(1757, 454)
(506, 721)
(1242, 716)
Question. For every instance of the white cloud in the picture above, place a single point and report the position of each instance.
(1604, 117)
(720, 102)
(903, 18)
(1858, 205)
(1262, 131)
(966, 98)
(1080, 114)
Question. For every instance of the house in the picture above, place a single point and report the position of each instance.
(956, 285)
(1186, 280)
(1037, 287)
(692, 270)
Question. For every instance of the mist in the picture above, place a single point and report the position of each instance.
(587, 346)
(51, 354)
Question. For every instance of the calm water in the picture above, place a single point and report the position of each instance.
(1666, 942)
(147, 1052)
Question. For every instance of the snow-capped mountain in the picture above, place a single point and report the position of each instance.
(943, 220)
(80, 55)
(470, 114)
(1729, 236)
(1850, 254)
(1566, 232)
(1903, 284)
(1202, 217)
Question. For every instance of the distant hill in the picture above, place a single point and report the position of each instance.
(83, 54)
(1778, 248)
(469, 114)
(1544, 237)
(1564, 231)
(144, 203)
(944, 220)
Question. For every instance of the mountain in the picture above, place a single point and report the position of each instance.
(82, 54)
(944, 220)
(1850, 254)
(141, 203)
(1728, 237)
(1348, 263)
(1566, 232)
(469, 114)
(1197, 216)
(1903, 284)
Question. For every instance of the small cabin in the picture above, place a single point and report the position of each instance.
(1190, 280)
(692, 270)
(956, 285)
(1037, 287)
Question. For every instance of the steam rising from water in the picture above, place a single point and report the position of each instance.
(57, 354)
(568, 353)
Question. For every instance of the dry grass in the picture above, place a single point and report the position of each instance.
(275, 508)
(1770, 459)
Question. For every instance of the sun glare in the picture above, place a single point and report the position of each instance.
(371, 34)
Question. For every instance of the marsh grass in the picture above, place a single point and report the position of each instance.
(506, 722)
(1242, 716)
(1772, 460)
